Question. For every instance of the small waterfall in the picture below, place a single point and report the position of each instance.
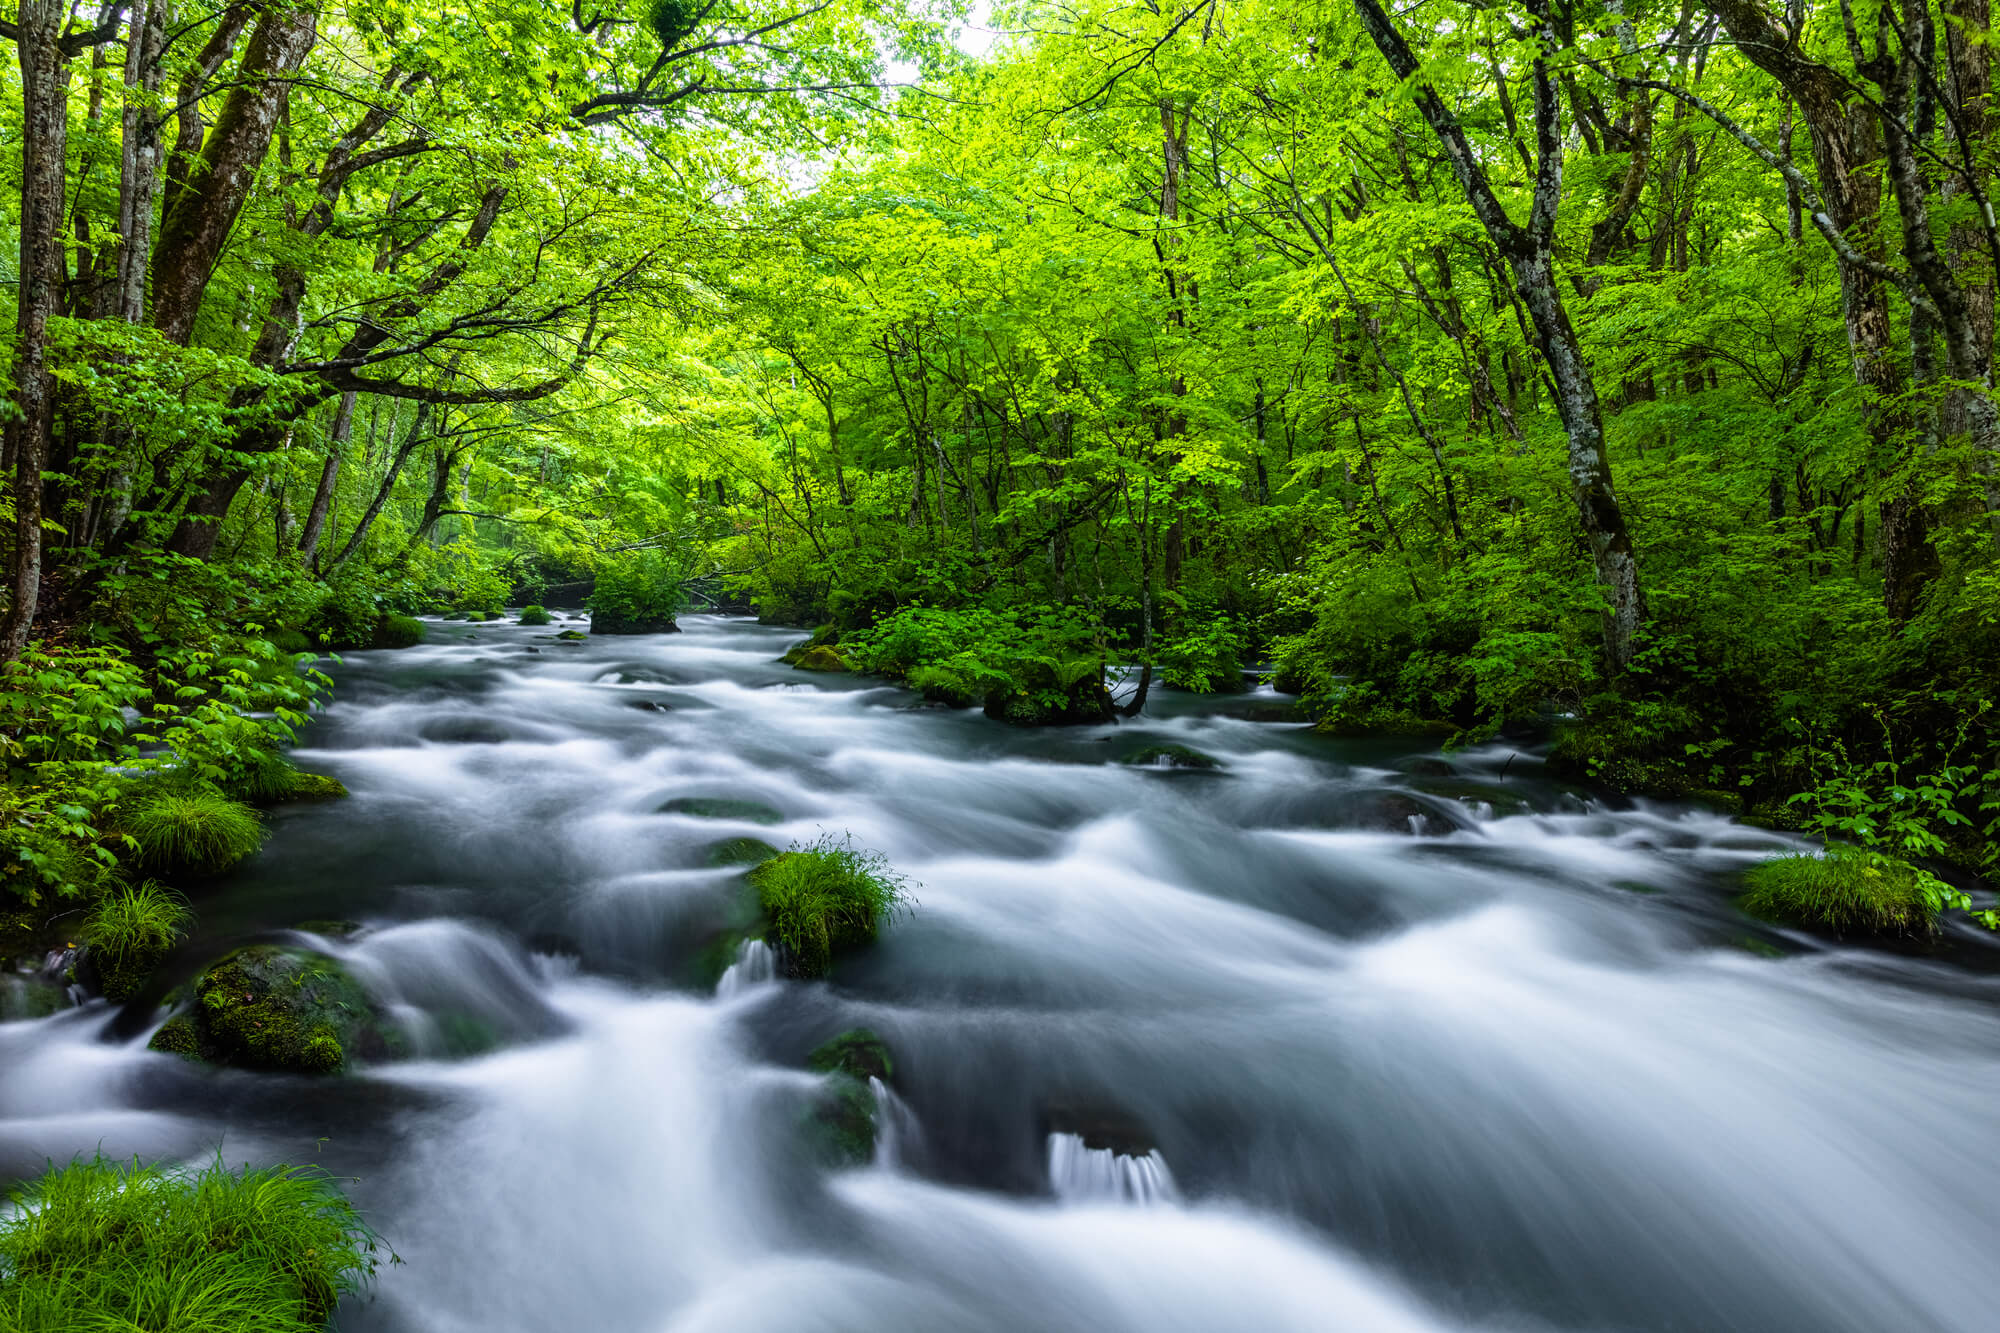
(57, 967)
(756, 963)
(896, 1127)
(1083, 1174)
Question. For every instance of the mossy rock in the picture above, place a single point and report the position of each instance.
(316, 787)
(333, 930)
(458, 615)
(610, 622)
(571, 636)
(534, 615)
(1845, 890)
(1171, 757)
(841, 1127)
(476, 617)
(30, 997)
(858, 1053)
(398, 632)
(741, 852)
(273, 1008)
(822, 659)
(117, 977)
(712, 807)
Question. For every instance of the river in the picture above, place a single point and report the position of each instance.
(1401, 1046)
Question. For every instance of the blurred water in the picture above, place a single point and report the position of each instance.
(1428, 1045)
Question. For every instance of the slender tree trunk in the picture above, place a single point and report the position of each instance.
(45, 133)
(329, 477)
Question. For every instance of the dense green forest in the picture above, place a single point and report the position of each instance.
(1618, 373)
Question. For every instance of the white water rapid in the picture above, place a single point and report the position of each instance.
(1431, 1043)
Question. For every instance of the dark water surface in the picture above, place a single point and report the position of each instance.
(1417, 1049)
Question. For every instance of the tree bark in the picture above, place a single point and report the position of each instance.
(45, 133)
(329, 477)
(1530, 254)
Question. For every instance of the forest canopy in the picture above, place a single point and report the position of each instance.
(1620, 373)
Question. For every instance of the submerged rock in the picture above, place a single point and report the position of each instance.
(273, 1008)
(716, 807)
(741, 852)
(842, 1125)
(572, 636)
(1172, 756)
(821, 658)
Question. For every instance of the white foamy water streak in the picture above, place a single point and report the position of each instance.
(1512, 1070)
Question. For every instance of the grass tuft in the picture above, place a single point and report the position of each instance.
(201, 831)
(100, 1245)
(823, 897)
(129, 931)
(1845, 889)
(534, 615)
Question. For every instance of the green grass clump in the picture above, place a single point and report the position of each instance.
(194, 830)
(129, 931)
(1845, 889)
(823, 897)
(399, 632)
(99, 1245)
(534, 615)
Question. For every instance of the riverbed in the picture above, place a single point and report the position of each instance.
(1394, 1040)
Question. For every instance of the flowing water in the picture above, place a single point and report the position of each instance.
(1335, 1038)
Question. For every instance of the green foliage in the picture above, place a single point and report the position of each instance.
(639, 592)
(824, 897)
(1041, 665)
(399, 632)
(1845, 889)
(191, 830)
(534, 615)
(1207, 656)
(129, 931)
(100, 1245)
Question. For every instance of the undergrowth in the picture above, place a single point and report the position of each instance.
(825, 896)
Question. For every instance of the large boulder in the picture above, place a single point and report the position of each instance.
(842, 1125)
(274, 1008)
(612, 622)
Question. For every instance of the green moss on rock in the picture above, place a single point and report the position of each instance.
(288, 1010)
(841, 1127)
(822, 659)
(1172, 756)
(741, 852)
(715, 807)
(534, 615)
(178, 1036)
(572, 636)
(398, 632)
(1845, 889)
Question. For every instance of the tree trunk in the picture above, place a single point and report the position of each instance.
(329, 476)
(45, 132)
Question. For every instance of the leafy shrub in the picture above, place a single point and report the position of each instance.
(1041, 666)
(1208, 657)
(823, 897)
(148, 1249)
(534, 615)
(639, 591)
(1845, 889)
(129, 931)
(399, 632)
(191, 829)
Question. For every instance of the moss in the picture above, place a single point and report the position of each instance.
(534, 615)
(399, 632)
(1171, 756)
(476, 617)
(741, 852)
(572, 636)
(315, 787)
(1844, 890)
(824, 898)
(289, 641)
(822, 659)
(266, 1007)
(841, 1127)
(858, 1053)
(177, 1036)
(711, 807)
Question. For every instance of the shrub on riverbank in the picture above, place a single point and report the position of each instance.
(825, 897)
(194, 829)
(98, 1245)
(1844, 889)
(129, 931)
(399, 632)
